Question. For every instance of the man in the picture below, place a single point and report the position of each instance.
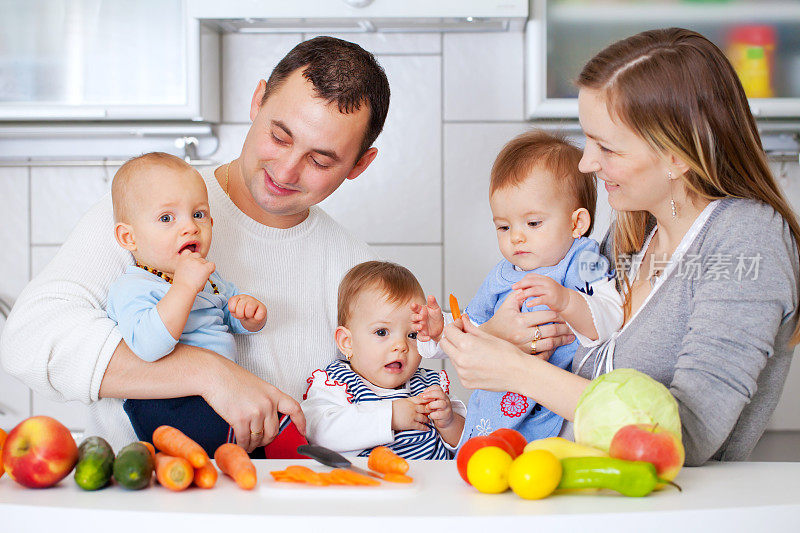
(313, 125)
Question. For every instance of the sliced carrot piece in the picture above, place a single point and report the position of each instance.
(398, 478)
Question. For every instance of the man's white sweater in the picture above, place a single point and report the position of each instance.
(59, 340)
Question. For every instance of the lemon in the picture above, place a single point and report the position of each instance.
(534, 474)
(487, 469)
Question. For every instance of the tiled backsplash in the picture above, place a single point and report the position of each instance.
(456, 99)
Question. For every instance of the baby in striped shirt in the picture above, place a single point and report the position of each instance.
(378, 395)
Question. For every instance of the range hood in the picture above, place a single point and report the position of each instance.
(359, 16)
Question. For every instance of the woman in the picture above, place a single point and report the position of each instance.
(712, 311)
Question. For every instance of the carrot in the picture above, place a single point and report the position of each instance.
(233, 461)
(173, 442)
(454, 308)
(174, 473)
(151, 448)
(205, 477)
(394, 477)
(383, 460)
(355, 478)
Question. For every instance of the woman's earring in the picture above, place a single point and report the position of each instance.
(671, 198)
(348, 356)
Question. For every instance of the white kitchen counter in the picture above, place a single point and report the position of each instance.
(719, 497)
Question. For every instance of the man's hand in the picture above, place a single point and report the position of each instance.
(249, 404)
(405, 415)
(427, 320)
(192, 271)
(250, 312)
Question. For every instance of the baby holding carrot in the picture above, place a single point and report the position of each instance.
(378, 395)
(543, 207)
(171, 293)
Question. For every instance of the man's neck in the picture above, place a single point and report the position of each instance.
(233, 186)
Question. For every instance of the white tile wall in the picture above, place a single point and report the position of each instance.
(61, 195)
(483, 76)
(425, 261)
(787, 414)
(14, 272)
(398, 198)
(247, 58)
(470, 244)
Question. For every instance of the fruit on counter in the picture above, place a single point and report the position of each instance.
(382, 459)
(623, 396)
(174, 473)
(629, 478)
(95, 464)
(39, 452)
(3, 436)
(476, 443)
(534, 474)
(488, 468)
(133, 467)
(174, 442)
(561, 448)
(205, 477)
(516, 439)
(234, 461)
(651, 443)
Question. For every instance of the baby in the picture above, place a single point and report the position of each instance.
(172, 294)
(542, 207)
(379, 395)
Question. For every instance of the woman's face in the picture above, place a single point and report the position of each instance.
(634, 175)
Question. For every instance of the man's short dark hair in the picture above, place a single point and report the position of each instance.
(341, 72)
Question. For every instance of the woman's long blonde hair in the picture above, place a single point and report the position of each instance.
(677, 91)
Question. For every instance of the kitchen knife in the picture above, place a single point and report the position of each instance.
(333, 459)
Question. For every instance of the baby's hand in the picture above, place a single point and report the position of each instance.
(437, 406)
(545, 291)
(192, 271)
(405, 415)
(427, 320)
(250, 312)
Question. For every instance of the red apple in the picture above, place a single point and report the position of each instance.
(39, 452)
(476, 443)
(516, 439)
(651, 443)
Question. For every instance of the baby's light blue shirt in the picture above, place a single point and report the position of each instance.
(132, 302)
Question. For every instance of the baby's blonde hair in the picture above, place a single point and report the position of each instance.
(122, 192)
(396, 282)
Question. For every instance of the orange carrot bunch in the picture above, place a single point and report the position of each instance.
(234, 461)
(173, 442)
(383, 460)
(174, 473)
(205, 477)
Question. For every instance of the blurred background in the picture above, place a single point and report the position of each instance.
(87, 84)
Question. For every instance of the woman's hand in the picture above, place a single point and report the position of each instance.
(482, 360)
(249, 404)
(520, 329)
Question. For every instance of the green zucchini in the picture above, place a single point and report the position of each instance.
(133, 467)
(95, 464)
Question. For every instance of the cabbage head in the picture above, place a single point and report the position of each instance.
(621, 397)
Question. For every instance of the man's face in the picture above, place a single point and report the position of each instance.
(300, 148)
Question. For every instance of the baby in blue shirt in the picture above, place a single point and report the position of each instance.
(172, 293)
(542, 207)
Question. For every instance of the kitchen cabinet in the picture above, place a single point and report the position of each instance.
(106, 60)
(562, 35)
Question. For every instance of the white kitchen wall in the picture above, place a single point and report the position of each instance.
(456, 99)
